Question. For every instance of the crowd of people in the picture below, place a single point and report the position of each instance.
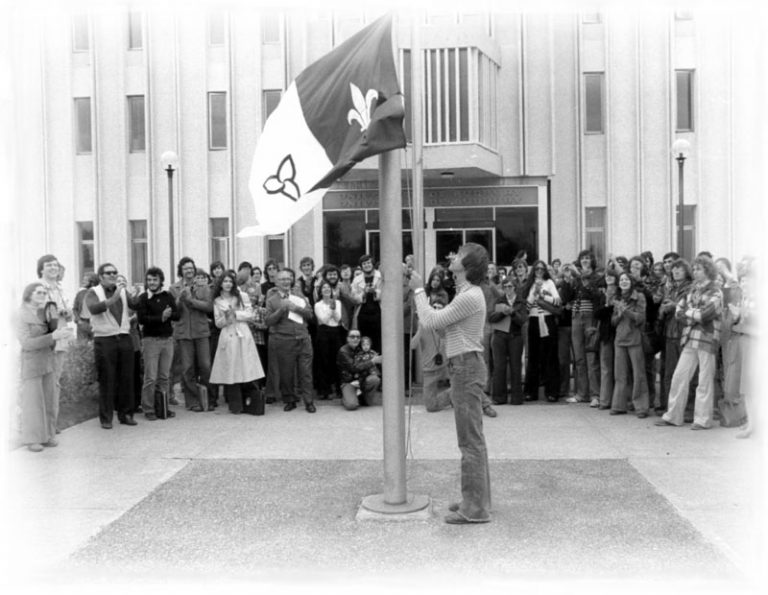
(630, 335)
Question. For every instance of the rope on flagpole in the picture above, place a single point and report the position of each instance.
(409, 418)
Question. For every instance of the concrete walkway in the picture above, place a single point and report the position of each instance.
(63, 498)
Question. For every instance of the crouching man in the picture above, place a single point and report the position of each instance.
(358, 387)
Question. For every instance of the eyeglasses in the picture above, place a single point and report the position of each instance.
(109, 273)
(353, 336)
(539, 269)
(39, 292)
(507, 286)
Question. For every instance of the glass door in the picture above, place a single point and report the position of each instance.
(449, 241)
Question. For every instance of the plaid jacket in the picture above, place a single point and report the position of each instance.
(701, 311)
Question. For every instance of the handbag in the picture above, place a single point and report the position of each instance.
(255, 404)
(161, 405)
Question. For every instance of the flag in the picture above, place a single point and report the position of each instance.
(341, 109)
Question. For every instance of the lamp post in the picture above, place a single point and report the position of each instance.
(169, 161)
(680, 151)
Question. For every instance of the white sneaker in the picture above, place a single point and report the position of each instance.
(573, 399)
(594, 403)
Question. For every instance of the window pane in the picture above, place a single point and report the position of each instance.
(136, 123)
(219, 239)
(591, 18)
(219, 227)
(344, 236)
(85, 247)
(593, 102)
(217, 120)
(135, 39)
(463, 95)
(594, 219)
(516, 229)
(139, 262)
(276, 249)
(216, 28)
(83, 124)
(684, 100)
(270, 28)
(269, 102)
(433, 98)
(451, 90)
(447, 242)
(80, 37)
(85, 229)
(689, 231)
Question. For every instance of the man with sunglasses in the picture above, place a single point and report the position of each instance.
(107, 303)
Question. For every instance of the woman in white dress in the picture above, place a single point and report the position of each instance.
(236, 365)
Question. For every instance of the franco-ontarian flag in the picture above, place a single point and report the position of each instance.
(344, 107)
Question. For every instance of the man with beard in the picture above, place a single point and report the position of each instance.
(156, 309)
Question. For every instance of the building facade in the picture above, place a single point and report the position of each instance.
(545, 132)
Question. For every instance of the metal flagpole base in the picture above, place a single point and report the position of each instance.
(415, 508)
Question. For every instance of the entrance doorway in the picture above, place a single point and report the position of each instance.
(450, 240)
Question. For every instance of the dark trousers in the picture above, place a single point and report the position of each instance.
(195, 367)
(328, 342)
(292, 358)
(114, 368)
(542, 358)
(507, 348)
(236, 394)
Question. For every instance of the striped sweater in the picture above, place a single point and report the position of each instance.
(463, 319)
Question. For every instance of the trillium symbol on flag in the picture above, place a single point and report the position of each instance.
(341, 109)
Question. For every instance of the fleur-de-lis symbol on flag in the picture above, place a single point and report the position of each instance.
(363, 105)
(283, 181)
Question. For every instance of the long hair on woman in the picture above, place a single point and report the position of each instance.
(232, 276)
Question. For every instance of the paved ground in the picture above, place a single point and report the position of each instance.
(581, 500)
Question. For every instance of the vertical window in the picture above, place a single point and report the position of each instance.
(219, 239)
(269, 100)
(689, 230)
(135, 34)
(217, 28)
(139, 260)
(276, 249)
(85, 247)
(595, 232)
(83, 143)
(593, 102)
(217, 120)
(81, 39)
(459, 96)
(270, 27)
(684, 80)
(591, 18)
(136, 127)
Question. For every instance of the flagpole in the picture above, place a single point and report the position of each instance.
(417, 123)
(395, 500)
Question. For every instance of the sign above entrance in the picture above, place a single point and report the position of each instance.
(470, 196)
